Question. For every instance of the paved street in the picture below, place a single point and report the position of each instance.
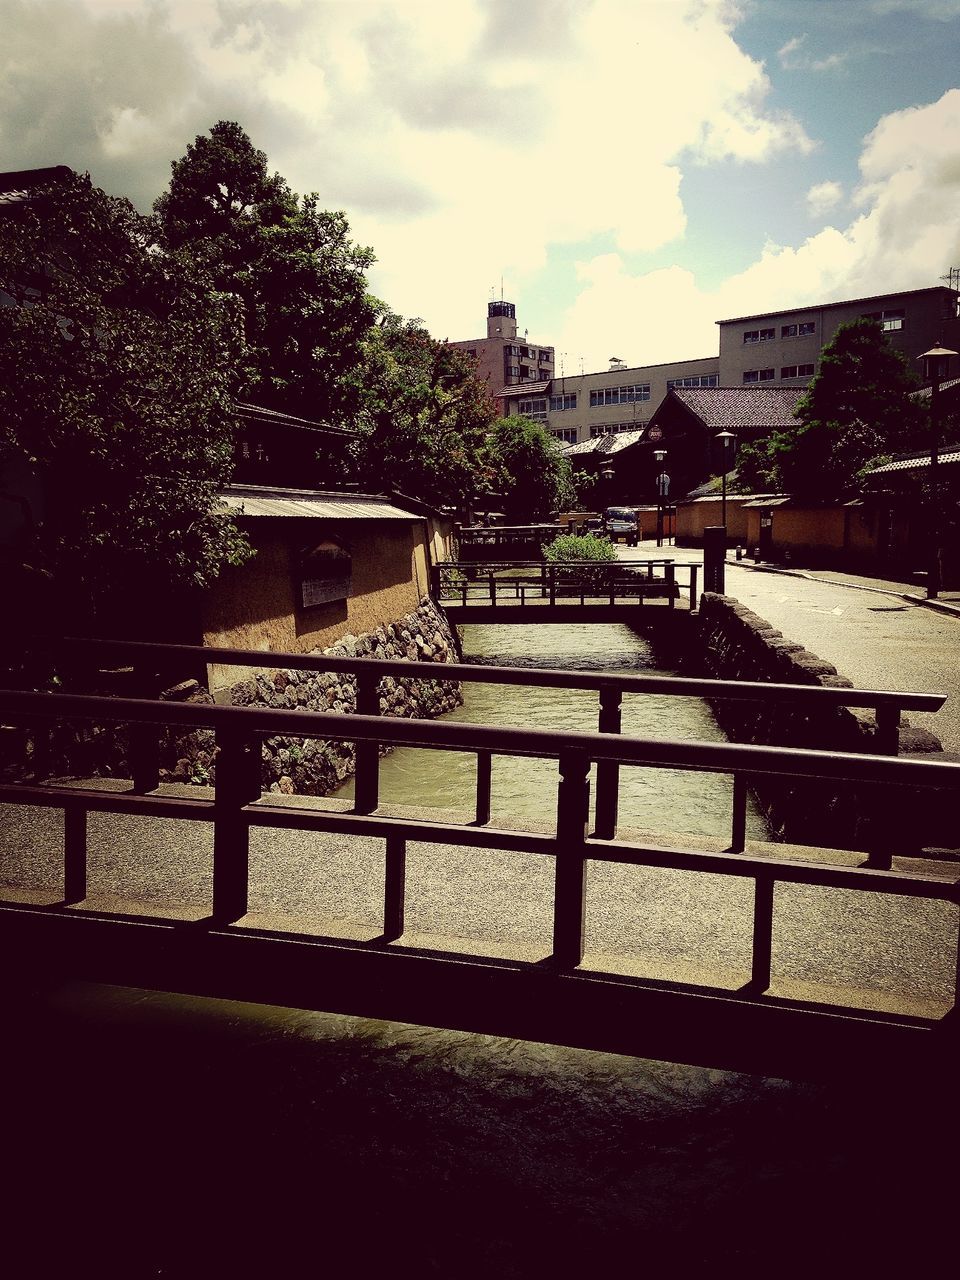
(864, 626)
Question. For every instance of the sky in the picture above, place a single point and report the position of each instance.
(627, 172)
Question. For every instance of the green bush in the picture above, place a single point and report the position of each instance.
(580, 546)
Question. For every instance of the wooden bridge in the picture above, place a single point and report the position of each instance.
(224, 952)
(538, 591)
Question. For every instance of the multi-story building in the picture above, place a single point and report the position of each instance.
(504, 360)
(583, 406)
(782, 348)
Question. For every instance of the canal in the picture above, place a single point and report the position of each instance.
(658, 801)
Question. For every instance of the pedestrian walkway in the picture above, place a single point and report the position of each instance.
(880, 634)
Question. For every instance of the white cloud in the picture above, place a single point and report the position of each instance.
(464, 137)
(824, 196)
(906, 236)
(793, 57)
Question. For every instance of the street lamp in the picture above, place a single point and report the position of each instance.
(663, 490)
(935, 364)
(727, 442)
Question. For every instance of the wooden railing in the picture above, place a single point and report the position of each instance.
(509, 582)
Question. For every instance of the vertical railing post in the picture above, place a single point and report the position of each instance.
(670, 574)
(888, 729)
(74, 854)
(714, 558)
(762, 934)
(569, 896)
(608, 771)
(693, 588)
(367, 785)
(237, 784)
(553, 584)
(492, 583)
(144, 739)
(738, 840)
(436, 582)
(484, 777)
(394, 885)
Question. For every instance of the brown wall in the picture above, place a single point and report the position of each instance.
(257, 605)
(694, 517)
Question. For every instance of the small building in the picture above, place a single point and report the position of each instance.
(696, 514)
(326, 565)
(503, 359)
(787, 530)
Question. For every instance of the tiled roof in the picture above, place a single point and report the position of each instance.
(615, 442)
(925, 392)
(727, 408)
(524, 388)
(19, 186)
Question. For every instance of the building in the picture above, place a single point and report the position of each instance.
(782, 348)
(504, 360)
(580, 407)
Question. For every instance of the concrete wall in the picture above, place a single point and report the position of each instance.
(730, 642)
(693, 517)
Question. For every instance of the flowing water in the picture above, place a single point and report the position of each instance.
(668, 802)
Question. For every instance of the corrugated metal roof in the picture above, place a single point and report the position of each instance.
(917, 462)
(524, 389)
(769, 502)
(301, 503)
(613, 442)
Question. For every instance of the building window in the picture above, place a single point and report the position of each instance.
(701, 380)
(788, 331)
(759, 335)
(614, 428)
(511, 351)
(546, 357)
(890, 320)
(758, 375)
(532, 405)
(809, 326)
(566, 401)
(513, 371)
(796, 371)
(620, 395)
(566, 435)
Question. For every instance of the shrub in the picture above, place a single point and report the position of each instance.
(580, 546)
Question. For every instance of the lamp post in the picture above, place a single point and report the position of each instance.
(935, 364)
(727, 443)
(663, 489)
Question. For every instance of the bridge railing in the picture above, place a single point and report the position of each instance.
(493, 581)
(237, 806)
(150, 661)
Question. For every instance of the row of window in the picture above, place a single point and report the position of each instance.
(566, 435)
(533, 405)
(786, 331)
(620, 395)
(528, 353)
(788, 371)
(614, 428)
(889, 320)
(700, 380)
(566, 401)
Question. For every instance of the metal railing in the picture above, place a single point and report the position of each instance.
(237, 806)
(149, 660)
(510, 582)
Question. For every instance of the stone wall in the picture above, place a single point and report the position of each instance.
(731, 642)
(315, 766)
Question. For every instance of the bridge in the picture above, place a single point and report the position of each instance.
(537, 591)
(564, 997)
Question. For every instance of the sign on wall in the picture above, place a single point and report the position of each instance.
(326, 572)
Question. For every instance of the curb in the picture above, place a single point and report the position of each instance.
(939, 606)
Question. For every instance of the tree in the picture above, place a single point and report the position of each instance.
(425, 417)
(535, 479)
(300, 279)
(858, 408)
(117, 366)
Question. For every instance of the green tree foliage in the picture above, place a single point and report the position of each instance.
(424, 420)
(116, 372)
(858, 408)
(534, 477)
(301, 280)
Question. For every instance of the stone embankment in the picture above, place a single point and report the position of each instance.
(314, 766)
(731, 642)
